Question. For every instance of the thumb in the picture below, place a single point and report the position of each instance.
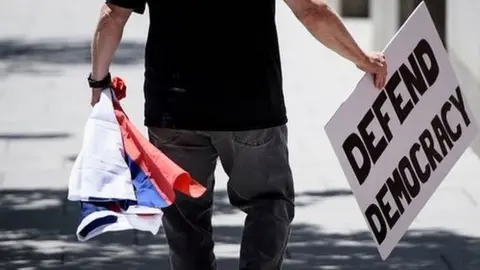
(95, 98)
(93, 101)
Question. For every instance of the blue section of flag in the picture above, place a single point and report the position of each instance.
(145, 192)
(88, 208)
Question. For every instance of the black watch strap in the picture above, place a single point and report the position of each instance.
(103, 83)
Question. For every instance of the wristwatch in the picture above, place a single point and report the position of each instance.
(103, 83)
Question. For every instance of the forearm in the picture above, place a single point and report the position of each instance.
(327, 27)
(105, 41)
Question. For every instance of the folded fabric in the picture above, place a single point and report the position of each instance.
(119, 178)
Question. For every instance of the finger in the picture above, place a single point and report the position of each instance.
(378, 68)
(376, 79)
(380, 82)
(383, 80)
(380, 62)
(94, 100)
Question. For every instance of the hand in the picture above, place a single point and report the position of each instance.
(375, 64)
(96, 92)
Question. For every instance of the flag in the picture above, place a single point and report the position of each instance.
(120, 179)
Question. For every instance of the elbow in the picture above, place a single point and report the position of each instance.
(112, 18)
(314, 12)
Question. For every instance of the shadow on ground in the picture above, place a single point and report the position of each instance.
(29, 56)
(37, 232)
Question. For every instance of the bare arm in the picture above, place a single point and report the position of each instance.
(107, 36)
(105, 41)
(327, 27)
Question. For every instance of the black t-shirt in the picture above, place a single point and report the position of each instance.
(211, 64)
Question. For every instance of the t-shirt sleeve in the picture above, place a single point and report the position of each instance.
(138, 6)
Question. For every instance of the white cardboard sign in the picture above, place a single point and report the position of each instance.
(397, 144)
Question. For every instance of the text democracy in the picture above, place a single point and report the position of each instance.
(433, 143)
(407, 179)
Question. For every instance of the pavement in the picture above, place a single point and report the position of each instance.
(44, 103)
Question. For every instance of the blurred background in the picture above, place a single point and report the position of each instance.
(44, 103)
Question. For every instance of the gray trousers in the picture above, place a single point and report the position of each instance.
(260, 184)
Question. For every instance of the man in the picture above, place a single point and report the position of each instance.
(213, 89)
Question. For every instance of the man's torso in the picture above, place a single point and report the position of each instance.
(213, 65)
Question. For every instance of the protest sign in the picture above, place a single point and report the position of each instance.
(397, 144)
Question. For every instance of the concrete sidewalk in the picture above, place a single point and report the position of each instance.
(44, 102)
